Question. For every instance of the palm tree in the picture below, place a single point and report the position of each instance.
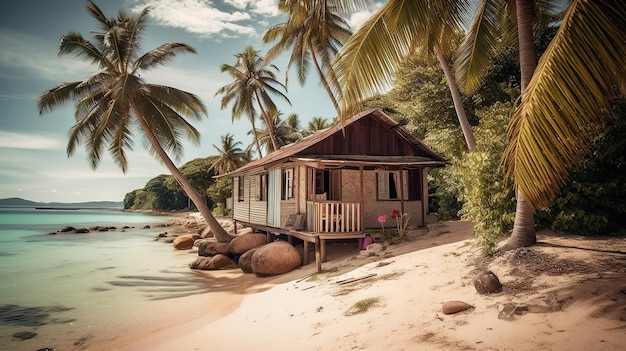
(254, 83)
(314, 31)
(366, 64)
(231, 156)
(316, 124)
(284, 133)
(563, 96)
(113, 100)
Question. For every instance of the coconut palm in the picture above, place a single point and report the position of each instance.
(366, 64)
(314, 32)
(231, 156)
(316, 124)
(254, 83)
(284, 133)
(565, 98)
(116, 99)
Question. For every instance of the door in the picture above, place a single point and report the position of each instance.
(274, 181)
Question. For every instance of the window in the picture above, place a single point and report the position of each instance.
(287, 184)
(240, 188)
(388, 185)
(261, 187)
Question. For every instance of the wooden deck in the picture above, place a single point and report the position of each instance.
(317, 239)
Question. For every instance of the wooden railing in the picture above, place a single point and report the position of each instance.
(334, 217)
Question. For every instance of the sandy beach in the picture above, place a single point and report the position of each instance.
(565, 293)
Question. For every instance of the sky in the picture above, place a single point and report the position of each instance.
(33, 161)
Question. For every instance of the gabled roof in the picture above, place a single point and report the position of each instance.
(369, 137)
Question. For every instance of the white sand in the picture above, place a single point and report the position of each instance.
(576, 300)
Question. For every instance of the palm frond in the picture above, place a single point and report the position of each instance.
(184, 103)
(57, 96)
(568, 98)
(161, 55)
(478, 48)
(74, 43)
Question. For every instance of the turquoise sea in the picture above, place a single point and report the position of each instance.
(85, 291)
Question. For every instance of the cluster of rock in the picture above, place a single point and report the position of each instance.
(71, 230)
(249, 251)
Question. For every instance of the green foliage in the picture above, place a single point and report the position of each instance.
(157, 196)
(219, 191)
(487, 198)
(593, 201)
(199, 174)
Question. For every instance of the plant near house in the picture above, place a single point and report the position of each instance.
(382, 219)
(402, 220)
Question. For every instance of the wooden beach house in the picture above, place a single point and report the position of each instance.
(336, 183)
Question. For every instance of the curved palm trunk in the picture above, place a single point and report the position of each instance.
(218, 232)
(325, 83)
(269, 122)
(458, 103)
(524, 226)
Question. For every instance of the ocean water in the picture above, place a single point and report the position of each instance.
(84, 291)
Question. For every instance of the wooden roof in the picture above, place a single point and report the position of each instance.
(367, 138)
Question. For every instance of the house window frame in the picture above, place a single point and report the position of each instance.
(240, 189)
(385, 179)
(287, 184)
(261, 187)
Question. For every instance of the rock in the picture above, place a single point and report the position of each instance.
(275, 258)
(183, 242)
(24, 335)
(219, 261)
(451, 307)
(212, 248)
(81, 231)
(206, 233)
(145, 227)
(200, 263)
(375, 248)
(245, 242)
(245, 260)
(487, 282)
(211, 263)
(67, 229)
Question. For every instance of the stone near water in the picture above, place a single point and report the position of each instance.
(24, 335)
(212, 248)
(183, 242)
(67, 229)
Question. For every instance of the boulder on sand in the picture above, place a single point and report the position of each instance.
(245, 260)
(245, 242)
(212, 248)
(211, 263)
(275, 258)
(183, 242)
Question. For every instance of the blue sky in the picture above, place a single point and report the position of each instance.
(34, 164)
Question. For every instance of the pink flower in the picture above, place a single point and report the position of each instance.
(382, 219)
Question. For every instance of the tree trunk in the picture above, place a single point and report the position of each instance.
(269, 122)
(256, 138)
(458, 103)
(325, 83)
(218, 231)
(524, 226)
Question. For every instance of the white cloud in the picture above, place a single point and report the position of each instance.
(28, 141)
(34, 57)
(199, 17)
(261, 7)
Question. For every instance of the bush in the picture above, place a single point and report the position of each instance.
(488, 200)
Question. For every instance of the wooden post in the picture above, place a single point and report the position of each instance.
(318, 255)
